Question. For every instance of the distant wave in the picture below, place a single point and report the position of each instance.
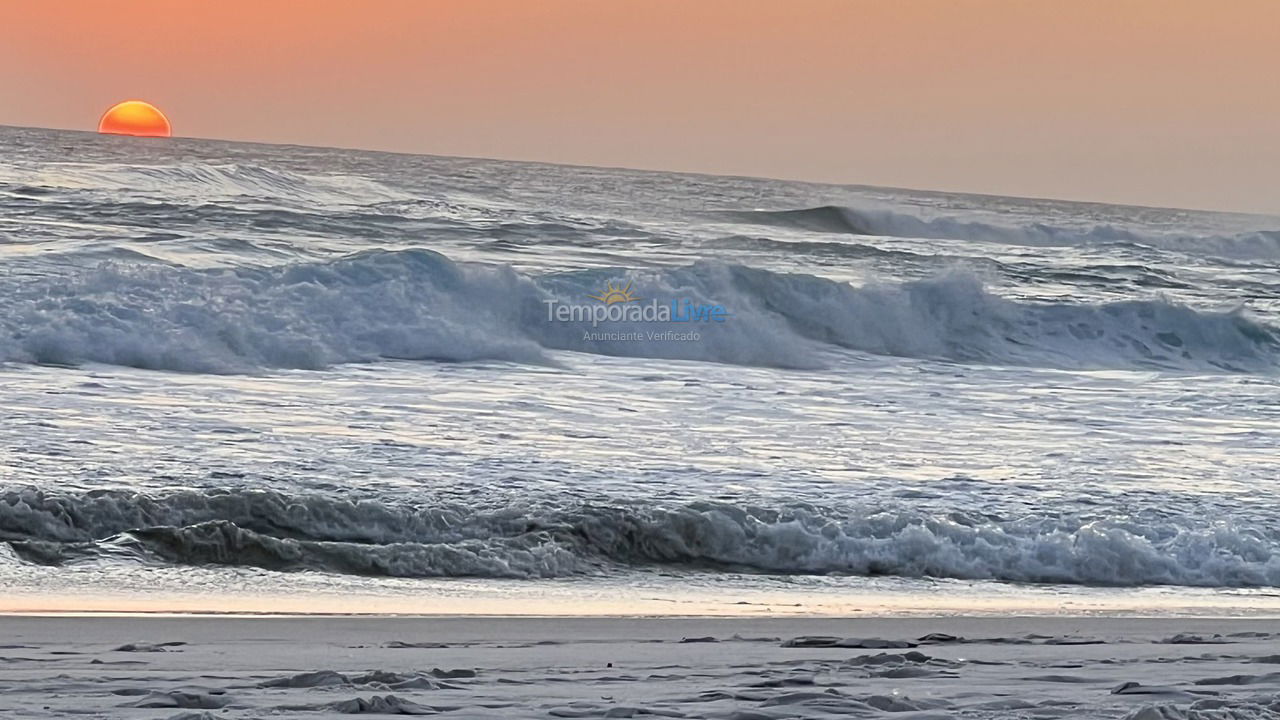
(417, 304)
(271, 530)
(1257, 245)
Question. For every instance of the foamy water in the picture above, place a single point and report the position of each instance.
(219, 360)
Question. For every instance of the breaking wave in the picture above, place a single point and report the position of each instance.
(1253, 245)
(417, 304)
(267, 529)
(420, 305)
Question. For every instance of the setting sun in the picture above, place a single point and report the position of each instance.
(135, 117)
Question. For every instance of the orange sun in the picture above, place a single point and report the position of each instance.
(134, 117)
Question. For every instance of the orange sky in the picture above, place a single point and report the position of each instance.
(1147, 101)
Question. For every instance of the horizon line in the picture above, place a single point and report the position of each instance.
(934, 191)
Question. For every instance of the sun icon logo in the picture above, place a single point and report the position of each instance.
(613, 295)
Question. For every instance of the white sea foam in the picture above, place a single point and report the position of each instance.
(419, 304)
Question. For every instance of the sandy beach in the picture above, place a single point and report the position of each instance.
(200, 668)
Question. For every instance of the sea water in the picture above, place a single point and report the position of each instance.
(227, 367)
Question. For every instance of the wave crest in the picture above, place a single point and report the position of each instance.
(1252, 245)
(417, 304)
(293, 532)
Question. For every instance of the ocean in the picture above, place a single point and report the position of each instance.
(230, 370)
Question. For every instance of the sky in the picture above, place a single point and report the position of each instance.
(1155, 102)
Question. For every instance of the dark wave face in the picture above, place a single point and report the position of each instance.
(276, 532)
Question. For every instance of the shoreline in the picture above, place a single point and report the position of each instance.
(203, 591)
(920, 617)
(864, 607)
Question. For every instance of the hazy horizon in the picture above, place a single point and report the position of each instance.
(1140, 102)
(926, 190)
